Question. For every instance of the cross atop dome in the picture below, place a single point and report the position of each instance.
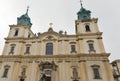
(81, 3)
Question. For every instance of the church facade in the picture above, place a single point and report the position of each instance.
(55, 56)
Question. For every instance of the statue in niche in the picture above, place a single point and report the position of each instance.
(23, 72)
(75, 73)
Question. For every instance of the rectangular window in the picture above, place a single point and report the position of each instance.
(96, 73)
(12, 50)
(49, 48)
(16, 32)
(27, 50)
(91, 47)
(5, 72)
(73, 48)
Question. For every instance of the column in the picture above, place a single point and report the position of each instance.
(63, 71)
(81, 46)
(83, 72)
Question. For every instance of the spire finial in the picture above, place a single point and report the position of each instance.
(81, 3)
(27, 9)
(50, 25)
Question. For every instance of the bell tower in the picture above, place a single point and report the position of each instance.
(84, 22)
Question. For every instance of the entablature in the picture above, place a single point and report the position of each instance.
(67, 58)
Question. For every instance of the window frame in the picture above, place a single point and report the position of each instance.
(87, 28)
(16, 32)
(49, 49)
(6, 71)
(73, 48)
(91, 46)
(12, 48)
(27, 50)
(96, 71)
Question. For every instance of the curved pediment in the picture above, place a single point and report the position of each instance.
(49, 35)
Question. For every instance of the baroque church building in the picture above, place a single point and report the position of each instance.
(55, 56)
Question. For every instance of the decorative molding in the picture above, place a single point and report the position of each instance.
(6, 42)
(99, 38)
(57, 58)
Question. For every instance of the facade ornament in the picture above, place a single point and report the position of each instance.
(75, 74)
(48, 65)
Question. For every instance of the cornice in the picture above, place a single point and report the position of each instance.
(118, 60)
(77, 57)
(93, 19)
(90, 34)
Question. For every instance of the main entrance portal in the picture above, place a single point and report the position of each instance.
(47, 70)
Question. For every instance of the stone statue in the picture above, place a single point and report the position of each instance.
(75, 73)
(43, 77)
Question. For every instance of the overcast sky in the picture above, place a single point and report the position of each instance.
(62, 13)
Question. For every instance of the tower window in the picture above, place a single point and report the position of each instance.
(73, 48)
(91, 47)
(87, 28)
(28, 35)
(96, 72)
(16, 32)
(49, 48)
(12, 50)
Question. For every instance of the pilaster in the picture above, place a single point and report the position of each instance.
(83, 71)
(108, 71)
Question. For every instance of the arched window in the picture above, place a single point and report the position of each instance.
(16, 32)
(49, 48)
(29, 35)
(87, 27)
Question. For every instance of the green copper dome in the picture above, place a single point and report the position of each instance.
(84, 14)
(24, 20)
